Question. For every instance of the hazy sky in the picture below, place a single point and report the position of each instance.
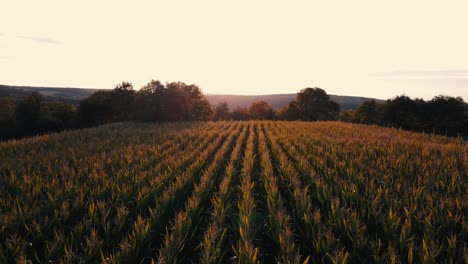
(369, 48)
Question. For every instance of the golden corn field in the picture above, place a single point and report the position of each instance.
(242, 192)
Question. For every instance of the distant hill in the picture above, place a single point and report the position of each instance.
(74, 95)
(278, 101)
(61, 94)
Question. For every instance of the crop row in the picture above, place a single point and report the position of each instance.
(245, 192)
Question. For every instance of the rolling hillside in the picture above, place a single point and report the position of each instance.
(74, 95)
(61, 94)
(278, 101)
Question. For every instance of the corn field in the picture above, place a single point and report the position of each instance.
(234, 192)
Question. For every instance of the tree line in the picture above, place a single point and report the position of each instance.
(177, 101)
(311, 104)
(34, 115)
(441, 115)
(155, 102)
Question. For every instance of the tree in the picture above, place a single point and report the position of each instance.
(367, 113)
(148, 102)
(289, 112)
(199, 107)
(185, 103)
(221, 112)
(123, 87)
(261, 111)
(29, 112)
(314, 104)
(7, 117)
(465, 122)
(121, 99)
(35, 115)
(175, 101)
(402, 112)
(96, 109)
(107, 106)
(241, 113)
(446, 115)
(65, 113)
(442, 115)
(202, 110)
(346, 116)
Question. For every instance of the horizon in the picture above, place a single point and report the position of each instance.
(233, 94)
(364, 49)
(224, 94)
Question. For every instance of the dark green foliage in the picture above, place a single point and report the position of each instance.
(95, 109)
(261, 111)
(346, 116)
(446, 115)
(75, 95)
(52, 94)
(401, 111)
(107, 106)
(311, 104)
(7, 117)
(241, 113)
(202, 110)
(314, 104)
(221, 112)
(148, 102)
(35, 115)
(441, 115)
(367, 113)
(28, 112)
(176, 101)
(23, 114)
(289, 112)
(278, 101)
(65, 113)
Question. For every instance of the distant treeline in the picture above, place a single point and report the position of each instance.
(177, 101)
(441, 115)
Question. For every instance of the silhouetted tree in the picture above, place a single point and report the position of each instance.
(289, 112)
(442, 115)
(34, 115)
(178, 101)
(445, 115)
(199, 108)
(261, 111)
(107, 106)
(314, 104)
(64, 113)
(465, 122)
(367, 113)
(148, 102)
(241, 113)
(122, 98)
(28, 114)
(175, 101)
(202, 110)
(402, 112)
(7, 117)
(221, 112)
(184, 102)
(346, 116)
(96, 109)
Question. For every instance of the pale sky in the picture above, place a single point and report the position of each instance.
(365, 48)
